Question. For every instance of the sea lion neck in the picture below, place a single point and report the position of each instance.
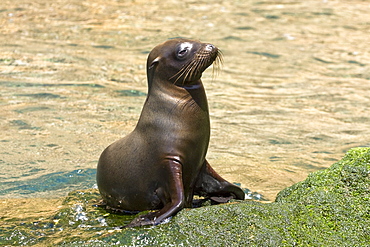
(192, 86)
(193, 93)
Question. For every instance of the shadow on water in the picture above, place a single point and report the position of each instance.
(81, 179)
(26, 84)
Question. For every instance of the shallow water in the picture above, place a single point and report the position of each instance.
(292, 96)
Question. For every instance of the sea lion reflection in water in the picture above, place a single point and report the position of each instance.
(162, 164)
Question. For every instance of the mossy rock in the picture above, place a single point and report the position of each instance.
(330, 208)
(348, 177)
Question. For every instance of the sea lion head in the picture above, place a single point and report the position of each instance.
(181, 61)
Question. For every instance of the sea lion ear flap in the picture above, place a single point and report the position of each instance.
(154, 62)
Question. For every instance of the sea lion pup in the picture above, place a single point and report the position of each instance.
(162, 164)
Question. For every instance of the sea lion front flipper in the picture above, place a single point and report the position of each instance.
(210, 184)
(171, 194)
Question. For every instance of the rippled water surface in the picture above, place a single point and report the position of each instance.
(291, 98)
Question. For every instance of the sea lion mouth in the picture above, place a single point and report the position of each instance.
(193, 70)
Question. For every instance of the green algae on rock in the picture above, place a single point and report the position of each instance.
(331, 207)
(348, 177)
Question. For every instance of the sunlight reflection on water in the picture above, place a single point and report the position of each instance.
(291, 98)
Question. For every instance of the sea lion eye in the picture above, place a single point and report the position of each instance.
(183, 52)
(183, 49)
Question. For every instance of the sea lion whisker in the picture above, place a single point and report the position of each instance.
(181, 72)
(187, 70)
(217, 65)
(182, 69)
(178, 72)
(200, 62)
(196, 67)
(190, 70)
(203, 61)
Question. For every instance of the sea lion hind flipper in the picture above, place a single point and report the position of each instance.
(210, 184)
(171, 194)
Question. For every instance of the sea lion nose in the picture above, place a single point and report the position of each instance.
(210, 47)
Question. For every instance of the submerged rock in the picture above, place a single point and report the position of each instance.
(331, 207)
